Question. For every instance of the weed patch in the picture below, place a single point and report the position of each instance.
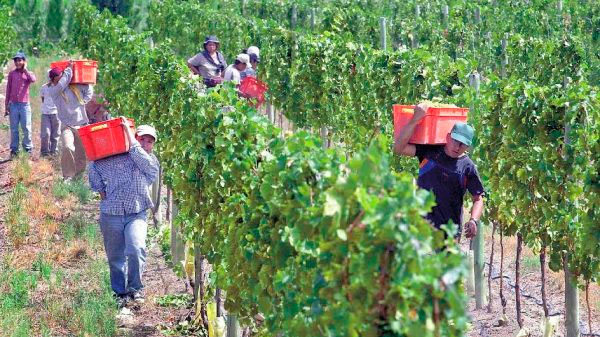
(39, 302)
(174, 300)
(94, 313)
(60, 190)
(531, 263)
(73, 227)
(81, 190)
(16, 220)
(77, 187)
(21, 171)
(42, 267)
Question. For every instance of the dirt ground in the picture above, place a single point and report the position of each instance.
(486, 324)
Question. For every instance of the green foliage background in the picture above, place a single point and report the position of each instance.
(302, 234)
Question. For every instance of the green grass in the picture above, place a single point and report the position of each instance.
(60, 190)
(531, 263)
(16, 220)
(73, 227)
(96, 309)
(83, 311)
(77, 187)
(174, 300)
(41, 266)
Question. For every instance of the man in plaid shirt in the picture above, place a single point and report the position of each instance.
(123, 182)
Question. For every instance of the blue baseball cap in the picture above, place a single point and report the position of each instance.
(19, 55)
(463, 133)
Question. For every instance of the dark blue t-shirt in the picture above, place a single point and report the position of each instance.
(448, 178)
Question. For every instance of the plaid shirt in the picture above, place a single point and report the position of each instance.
(125, 179)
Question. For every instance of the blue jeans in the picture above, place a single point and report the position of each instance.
(125, 245)
(50, 132)
(20, 114)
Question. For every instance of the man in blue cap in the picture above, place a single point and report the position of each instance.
(447, 171)
(17, 105)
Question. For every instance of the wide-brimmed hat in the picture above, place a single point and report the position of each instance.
(146, 130)
(211, 38)
(19, 55)
(463, 133)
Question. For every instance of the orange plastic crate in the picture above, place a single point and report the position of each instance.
(433, 128)
(105, 139)
(84, 71)
(253, 88)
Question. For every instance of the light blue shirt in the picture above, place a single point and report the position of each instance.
(125, 178)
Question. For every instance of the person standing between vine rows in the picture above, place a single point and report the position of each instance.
(123, 182)
(70, 100)
(17, 105)
(254, 54)
(210, 63)
(233, 71)
(447, 171)
(50, 124)
(252, 70)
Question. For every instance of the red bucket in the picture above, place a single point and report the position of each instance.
(253, 88)
(434, 127)
(105, 139)
(84, 71)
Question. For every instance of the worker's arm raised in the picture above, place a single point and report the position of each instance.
(401, 145)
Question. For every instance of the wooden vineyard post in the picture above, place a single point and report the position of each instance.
(270, 112)
(243, 7)
(177, 244)
(294, 17)
(156, 198)
(325, 137)
(571, 289)
(571, 300)
(168, 212)
(383, 33)
(445, 15)
(502, 298)
(504, 62)
(490, 298)
(219, 302)
(324, 130)
(233, 326)
(414, 41)
(200, 265)
(478, 249)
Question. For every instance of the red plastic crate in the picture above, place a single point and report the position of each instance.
(433, 128)
(84, 71)
(105, 139)
(253, 88)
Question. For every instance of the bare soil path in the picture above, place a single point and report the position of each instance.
(486, 324)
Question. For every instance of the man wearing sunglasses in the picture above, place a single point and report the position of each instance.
(447, 171)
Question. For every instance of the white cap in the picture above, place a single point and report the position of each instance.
(146, 130)
(253, 50)
(244, 58)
